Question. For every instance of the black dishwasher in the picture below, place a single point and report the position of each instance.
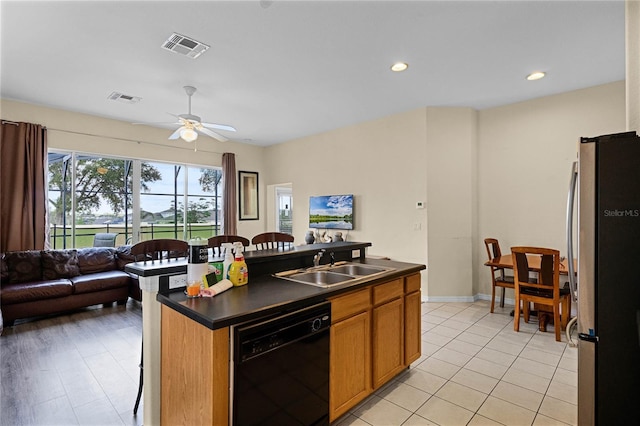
(281, 369)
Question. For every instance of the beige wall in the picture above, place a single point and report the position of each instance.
(381, 162)
(451, 170)
(525, 152)
(95, 135)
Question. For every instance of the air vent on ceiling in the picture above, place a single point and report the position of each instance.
(184, 45)
(116, 96)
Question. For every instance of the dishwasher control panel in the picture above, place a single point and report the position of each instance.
(263, 336)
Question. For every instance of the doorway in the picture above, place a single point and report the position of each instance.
(284, 209)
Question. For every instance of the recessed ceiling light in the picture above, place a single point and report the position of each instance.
(536, 75)
(399, 66)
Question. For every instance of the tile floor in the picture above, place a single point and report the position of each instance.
(475, 370)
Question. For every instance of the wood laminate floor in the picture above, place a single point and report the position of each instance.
(73, 369)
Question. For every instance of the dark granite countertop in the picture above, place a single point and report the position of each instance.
(268, 295)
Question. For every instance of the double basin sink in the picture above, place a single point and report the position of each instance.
(329, 276)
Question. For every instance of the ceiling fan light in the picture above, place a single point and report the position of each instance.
(536, 75)
(188, 135)
(399, 66)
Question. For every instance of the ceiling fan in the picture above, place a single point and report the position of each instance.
(191, 125)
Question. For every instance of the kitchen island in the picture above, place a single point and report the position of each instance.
(374, 334)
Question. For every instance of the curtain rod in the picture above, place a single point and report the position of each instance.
(10, 122)
(128, 140)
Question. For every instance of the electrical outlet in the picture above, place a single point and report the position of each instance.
(417, 226)
(176, 281)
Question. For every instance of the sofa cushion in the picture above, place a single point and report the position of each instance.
(96, 259)
(124, 256)
(36, 290)
(24, 266)
(59, 264)
(100, 281)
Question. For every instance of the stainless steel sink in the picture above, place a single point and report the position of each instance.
(357, 269)
(321, 278)
(329, 276)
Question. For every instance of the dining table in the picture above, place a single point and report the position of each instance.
(506, 262)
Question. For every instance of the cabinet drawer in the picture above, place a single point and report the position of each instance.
(412, 283)
(350, 304)
(387, 291)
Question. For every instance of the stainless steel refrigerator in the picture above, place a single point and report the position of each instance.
(608, 282)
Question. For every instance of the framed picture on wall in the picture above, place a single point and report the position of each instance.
(248, 195)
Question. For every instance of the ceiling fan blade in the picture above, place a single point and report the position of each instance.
(212, 134)
(219, 126)
(157, 122)
(176, 134)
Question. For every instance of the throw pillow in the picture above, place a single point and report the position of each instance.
(59, 264)
(23, 266)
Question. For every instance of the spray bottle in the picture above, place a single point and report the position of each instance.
(238, 272)
(228, 259)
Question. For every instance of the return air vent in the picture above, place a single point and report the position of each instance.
(127, 99)
(184, 45)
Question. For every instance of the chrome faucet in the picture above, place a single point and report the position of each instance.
(316, 258)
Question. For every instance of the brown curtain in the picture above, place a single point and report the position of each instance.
(229, 195)
(23, 153)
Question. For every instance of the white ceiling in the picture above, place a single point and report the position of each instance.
(282, 70)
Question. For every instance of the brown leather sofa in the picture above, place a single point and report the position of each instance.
(42, 282)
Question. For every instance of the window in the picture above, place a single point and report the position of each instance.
(285, 212)
(89, 195)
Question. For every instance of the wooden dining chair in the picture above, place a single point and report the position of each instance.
(543, 291)
(498, 276)
(272, 240)
(215, 243)
(163, 248)
(152, 250)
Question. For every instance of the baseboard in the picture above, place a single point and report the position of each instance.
(467, 299)
(507, 301)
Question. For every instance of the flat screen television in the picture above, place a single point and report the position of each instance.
(331, 211)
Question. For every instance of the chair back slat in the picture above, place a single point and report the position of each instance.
(546, 270)
(272, 240)
(521, 267)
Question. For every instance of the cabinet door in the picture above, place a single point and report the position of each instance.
(350, 368)
(412, 333)
(388, 341)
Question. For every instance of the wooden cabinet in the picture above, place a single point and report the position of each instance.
(350, 368)
(194, 383)
(388, 341)
(387, 331)
(412, 319)
(375, 334)
(350, 362)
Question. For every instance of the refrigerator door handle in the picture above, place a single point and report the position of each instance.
(573, 183)
(588, 337)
